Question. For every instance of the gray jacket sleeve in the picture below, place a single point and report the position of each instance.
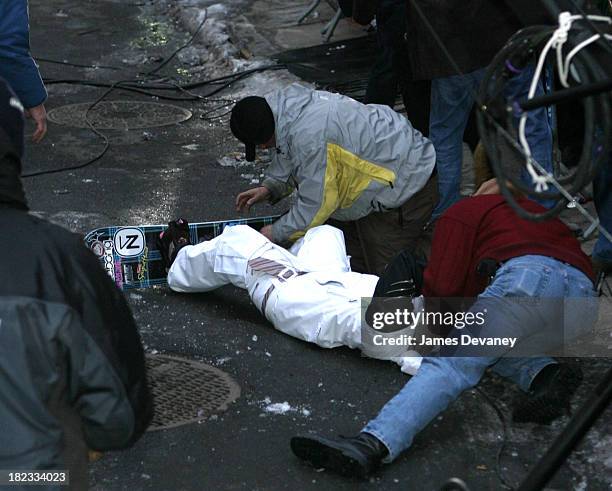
(277, 178)
(311, 208)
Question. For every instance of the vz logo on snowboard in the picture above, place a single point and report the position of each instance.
(129, 242)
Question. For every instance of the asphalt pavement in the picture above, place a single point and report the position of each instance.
(151, 175)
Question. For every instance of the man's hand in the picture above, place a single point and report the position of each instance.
(267, 232)
(39, 115)
(246, 199)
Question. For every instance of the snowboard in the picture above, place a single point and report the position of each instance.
(130, 255)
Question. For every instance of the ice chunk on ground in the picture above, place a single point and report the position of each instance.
(284, 408)
(278, 408)
(233, 161)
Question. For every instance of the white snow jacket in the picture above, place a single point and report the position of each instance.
(348, 159)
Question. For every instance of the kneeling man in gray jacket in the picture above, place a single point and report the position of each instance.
(361, 167)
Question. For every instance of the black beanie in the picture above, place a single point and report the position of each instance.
(11, 121)
(252, 122)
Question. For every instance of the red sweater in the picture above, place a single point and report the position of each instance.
(485, 227)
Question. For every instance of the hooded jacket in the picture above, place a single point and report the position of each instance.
(347, 159)
(16, 64)
(72, 372)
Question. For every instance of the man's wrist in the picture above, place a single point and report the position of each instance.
(276, 189)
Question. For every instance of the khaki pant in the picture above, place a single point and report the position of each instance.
(372, 241)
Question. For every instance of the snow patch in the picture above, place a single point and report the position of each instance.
(582, 485)
(283, 408)
(191, 147)
(279, 408)
(235, 160)
(218, 51)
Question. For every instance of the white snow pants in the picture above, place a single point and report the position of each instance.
(311, 293)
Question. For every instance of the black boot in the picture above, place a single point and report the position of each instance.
(549, 395)
(172, 240)
(357, 456)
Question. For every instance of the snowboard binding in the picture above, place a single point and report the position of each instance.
(172, 240)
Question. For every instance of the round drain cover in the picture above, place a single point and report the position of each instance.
(186, 391)
(124, 115)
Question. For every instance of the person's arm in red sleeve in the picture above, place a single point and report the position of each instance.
(451, 256)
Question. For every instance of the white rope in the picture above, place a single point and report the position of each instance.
(556, 41)
(564, 69)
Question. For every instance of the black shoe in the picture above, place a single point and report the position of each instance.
(601, 266)
(549, 395)
(352, 457)
(603, 276)
(172, 240)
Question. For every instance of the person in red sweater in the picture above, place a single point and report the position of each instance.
(490, 258)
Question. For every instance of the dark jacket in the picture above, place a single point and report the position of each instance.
(472, 31)
(72, 371)
(16, 63)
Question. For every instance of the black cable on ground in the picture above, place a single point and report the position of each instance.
(127, 88)
(135, 86)
(146, 88)
(217, 116)
(92, 128)
(276, 66)
(204, 116)
(502, 446)
(77, 65)
(176, 51)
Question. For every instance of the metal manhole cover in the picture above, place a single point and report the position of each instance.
(186, 391)
(124, 115)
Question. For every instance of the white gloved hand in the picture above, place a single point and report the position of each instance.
(410, 363)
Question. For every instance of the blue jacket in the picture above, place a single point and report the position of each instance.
(16, 63)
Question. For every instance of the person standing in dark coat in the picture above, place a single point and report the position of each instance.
(72, 367)
(472, 32)
(391, 70)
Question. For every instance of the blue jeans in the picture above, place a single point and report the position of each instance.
(451, 102)
(441, 379)
(602, 196)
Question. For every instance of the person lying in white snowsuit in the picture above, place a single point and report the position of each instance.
(308, 291)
